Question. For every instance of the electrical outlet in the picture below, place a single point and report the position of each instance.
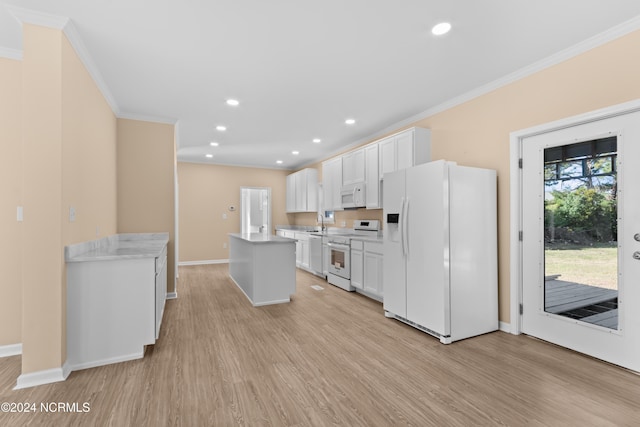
(343, 223)
(224, 216)
(224, 245)
(72, 214)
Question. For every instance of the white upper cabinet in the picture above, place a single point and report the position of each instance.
(369, 164)
(291, 192)
(372, 181)
(405, 149)
(332, 184)
(302, 191)
(353, 167)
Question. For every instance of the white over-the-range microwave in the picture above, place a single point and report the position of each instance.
(353, 196)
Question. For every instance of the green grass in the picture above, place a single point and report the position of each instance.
(592, 265)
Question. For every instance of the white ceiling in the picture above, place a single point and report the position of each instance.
(300, 68)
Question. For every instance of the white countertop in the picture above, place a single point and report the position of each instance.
(118, 246)
(261, 238)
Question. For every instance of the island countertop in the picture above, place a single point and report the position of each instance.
(118, 246)
(261, 238)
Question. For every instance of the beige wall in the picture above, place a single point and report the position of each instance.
(206, 192)
(146, 196)
(10, 198)
(69, 160)
(476, 133)
(88, 155)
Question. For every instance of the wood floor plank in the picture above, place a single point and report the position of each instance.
(327, 358)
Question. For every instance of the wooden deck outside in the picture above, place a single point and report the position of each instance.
(562, 296)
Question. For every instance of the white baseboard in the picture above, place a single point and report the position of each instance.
(505, 327)
(172, 295)
(278, 301)
(47, 376)
(10, 350)
(109, 361)
(203, 262)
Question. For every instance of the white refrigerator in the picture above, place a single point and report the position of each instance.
(440, 249)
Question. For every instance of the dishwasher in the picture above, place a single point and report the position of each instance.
(315, 254)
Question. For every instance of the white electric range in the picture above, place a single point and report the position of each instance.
(339, 273)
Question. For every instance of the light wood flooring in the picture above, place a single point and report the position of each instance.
(327, 358)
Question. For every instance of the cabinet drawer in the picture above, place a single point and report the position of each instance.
(373, 247)
(357, 245)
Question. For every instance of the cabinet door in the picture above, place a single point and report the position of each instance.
(372, 187)
(327, 187)
(161, 292)
(387, 156)
(301, 194)
(311, 186)
(357, 266)
(360, 165)
(373, 273)
(336, 176)
(291, 193)
(348, 176)
(306, 256)
(298, 253)
(404, 150)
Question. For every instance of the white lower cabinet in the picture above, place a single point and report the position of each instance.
(303, 257)
(373, 268)
(115, 303)
(366, 267)
(357, 264)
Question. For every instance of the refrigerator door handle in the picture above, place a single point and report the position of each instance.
(405, 227)
(401, 226)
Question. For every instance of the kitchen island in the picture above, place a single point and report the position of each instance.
(263, 266)
(116, 291)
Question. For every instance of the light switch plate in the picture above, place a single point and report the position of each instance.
(72, 214)
(20, 214)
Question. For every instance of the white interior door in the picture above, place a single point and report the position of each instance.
(581, 238)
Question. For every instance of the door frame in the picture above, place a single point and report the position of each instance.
(269, 209)
(515, 227)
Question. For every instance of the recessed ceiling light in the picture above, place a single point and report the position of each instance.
(295, 153)
(209, 156)
(350, 121)
(279, 162)
(233, 102)
(221, 128)
(441, 28)
(317, 140)
(213, 144)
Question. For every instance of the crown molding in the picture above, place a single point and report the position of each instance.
(146, 118)
(611, 34)
(8, 53)
(584, 46)
(81, 50)
(27, 16)
(43, 19)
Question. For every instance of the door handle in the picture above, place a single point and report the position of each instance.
(636, 255)
(401, 226)
(637, 237)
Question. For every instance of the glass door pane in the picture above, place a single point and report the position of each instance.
(580, 232)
